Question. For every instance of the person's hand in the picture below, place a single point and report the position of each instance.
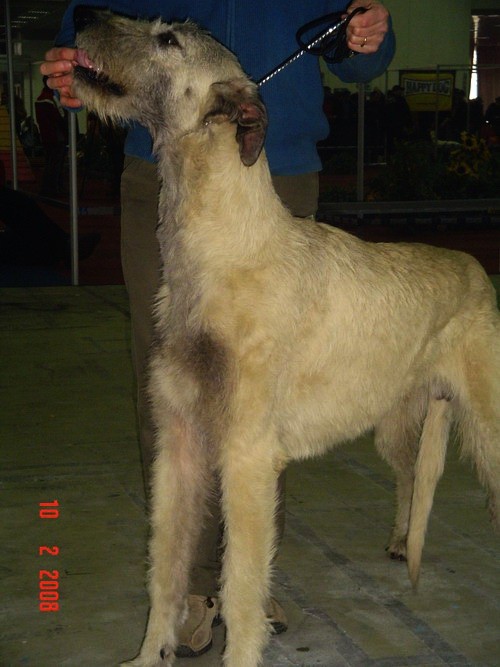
(366, 32)
(58, 66)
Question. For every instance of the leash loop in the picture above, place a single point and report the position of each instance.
(330, 43)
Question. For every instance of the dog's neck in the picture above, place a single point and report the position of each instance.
(213, 209)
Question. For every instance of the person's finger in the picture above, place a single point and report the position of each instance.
(367, 30)
(61, 53)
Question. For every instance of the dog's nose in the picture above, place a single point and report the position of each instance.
(83, 17)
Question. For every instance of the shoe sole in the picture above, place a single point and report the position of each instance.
(184, 651)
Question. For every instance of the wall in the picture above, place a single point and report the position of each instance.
(428, 33)
(431, 32)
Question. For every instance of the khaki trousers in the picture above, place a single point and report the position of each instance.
(141, 270)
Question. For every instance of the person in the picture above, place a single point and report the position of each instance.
(375, 125)
(398, 119)
(455, 122)
(492, 116)
(262, 35)
(53, 133)
(30, 237)
(20, 113)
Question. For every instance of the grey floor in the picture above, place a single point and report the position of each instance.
(67, 433)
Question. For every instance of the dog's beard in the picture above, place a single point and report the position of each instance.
(87, 72)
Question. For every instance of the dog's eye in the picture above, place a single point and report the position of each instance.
(167, 39)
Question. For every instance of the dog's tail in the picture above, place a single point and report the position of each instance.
(428, 470)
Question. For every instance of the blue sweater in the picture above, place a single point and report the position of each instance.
(262, 34)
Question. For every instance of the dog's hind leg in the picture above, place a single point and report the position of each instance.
(249, 485)
(479, 414)
(179, 493)
(428, 470)
(396, 440)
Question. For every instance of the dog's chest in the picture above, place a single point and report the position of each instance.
(206, 358)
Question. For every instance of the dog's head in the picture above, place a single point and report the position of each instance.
(171, 78)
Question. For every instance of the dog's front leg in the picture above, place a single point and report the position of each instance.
(178, 500)
(249, 484)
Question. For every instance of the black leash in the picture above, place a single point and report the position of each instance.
(331, 42)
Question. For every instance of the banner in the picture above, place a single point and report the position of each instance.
(428, 91)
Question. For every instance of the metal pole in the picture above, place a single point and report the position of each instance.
(31, 105)
(466, 86)
(385, 132)
(12, 103)
(73, 198)
(436, 111)
(361, 143)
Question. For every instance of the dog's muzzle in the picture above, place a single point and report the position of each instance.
(85, 70)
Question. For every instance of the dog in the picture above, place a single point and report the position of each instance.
(277, 338)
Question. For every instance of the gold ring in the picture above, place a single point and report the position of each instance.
(365, 40)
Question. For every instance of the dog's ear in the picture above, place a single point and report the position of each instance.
(238, 101)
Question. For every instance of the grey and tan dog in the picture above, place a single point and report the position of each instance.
(277, 338)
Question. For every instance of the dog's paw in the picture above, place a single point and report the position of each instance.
(396, 550)
(164, 659)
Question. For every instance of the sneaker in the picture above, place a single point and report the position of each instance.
(196, 634)
(195, 637)
(276, 616)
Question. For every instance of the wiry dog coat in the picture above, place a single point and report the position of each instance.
(277, 338)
